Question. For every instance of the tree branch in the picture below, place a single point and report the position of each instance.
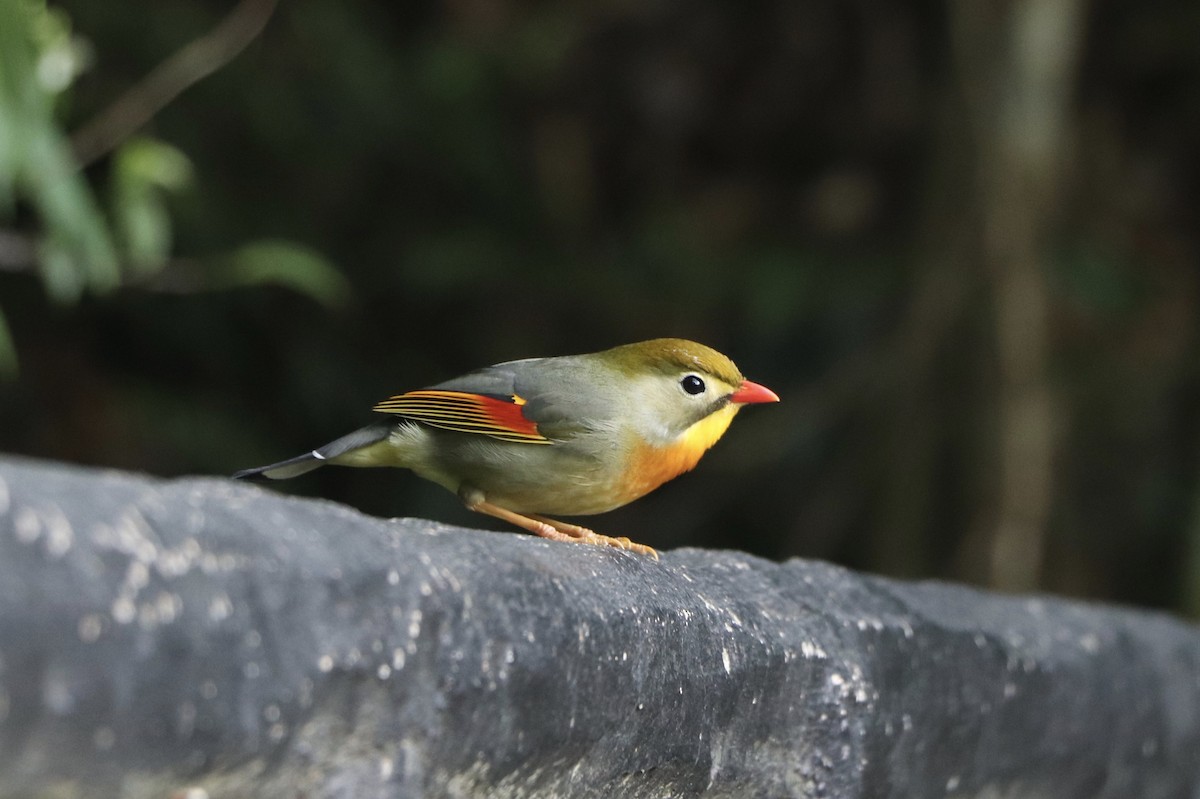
(168, 80)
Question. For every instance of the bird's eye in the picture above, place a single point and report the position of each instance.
(692, 384)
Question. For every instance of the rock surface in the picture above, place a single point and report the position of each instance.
(158, 637)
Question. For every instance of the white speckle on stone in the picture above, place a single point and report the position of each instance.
(168, 606)
(271, 713)
(414, 623)
(1090, 643)
(219, 607)
(725, 660)
(133, 536)
(59, 535)
(812, 650)
(56, 694)
(27, 525)
(277, 732)
(397, 659)
(251, 670)
(384, 671)
(5, 497)
(953, 783)
(123, 610)
(393, 577)
(387, 767)
(137, 576)
(90, 627)
(173, 563)
(325, 663)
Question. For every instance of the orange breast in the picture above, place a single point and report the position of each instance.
(650, 466)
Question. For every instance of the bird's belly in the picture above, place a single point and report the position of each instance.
(531, 478)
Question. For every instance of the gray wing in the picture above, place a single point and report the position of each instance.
(558, 393)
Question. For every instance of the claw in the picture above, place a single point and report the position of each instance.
(624, 543)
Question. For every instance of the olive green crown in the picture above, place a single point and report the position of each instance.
(670, 355)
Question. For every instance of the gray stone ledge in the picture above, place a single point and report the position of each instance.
(158, 635)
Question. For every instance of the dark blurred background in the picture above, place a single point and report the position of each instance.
(959, 239)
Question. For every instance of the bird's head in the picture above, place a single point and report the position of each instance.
(681, 392)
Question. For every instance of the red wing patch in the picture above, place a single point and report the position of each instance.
(485, 414)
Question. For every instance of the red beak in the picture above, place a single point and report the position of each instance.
(752, 392)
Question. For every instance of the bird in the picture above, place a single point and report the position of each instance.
(575, 435)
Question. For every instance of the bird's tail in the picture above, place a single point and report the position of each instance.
(293, 467)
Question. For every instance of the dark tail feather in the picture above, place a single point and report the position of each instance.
(293, 467)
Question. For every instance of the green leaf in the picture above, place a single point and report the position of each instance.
(62, 57)
(143, 171)
(69, 213)
(150, 162)
(287, 264)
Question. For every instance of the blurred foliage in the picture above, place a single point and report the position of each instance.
(77, 246)
(39, 58)
(791, 183)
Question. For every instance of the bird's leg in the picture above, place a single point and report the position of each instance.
(524, 522)
(590, 536)
(547, 528)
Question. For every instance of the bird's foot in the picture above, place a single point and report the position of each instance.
(584, 535)
(551, 528)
